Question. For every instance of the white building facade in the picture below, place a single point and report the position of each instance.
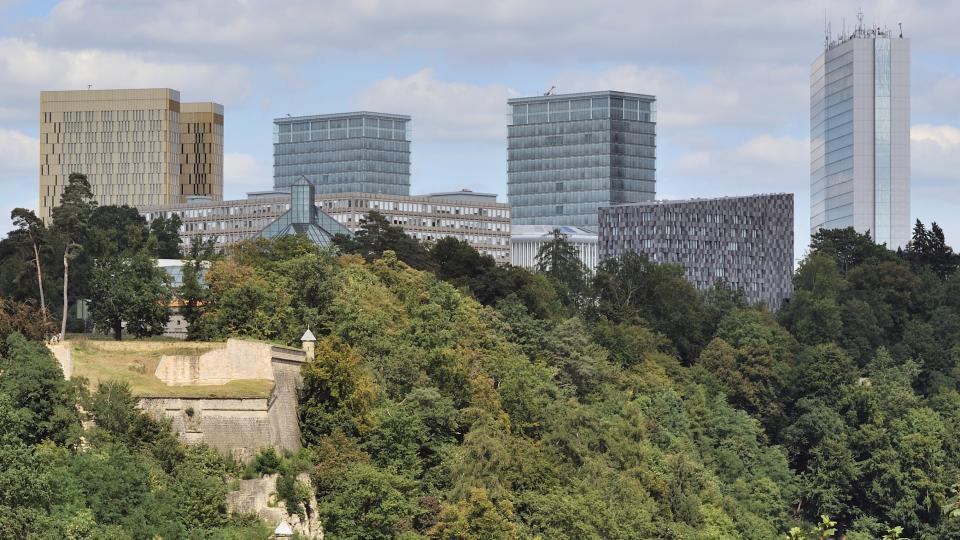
(860, 136)
(526, 241)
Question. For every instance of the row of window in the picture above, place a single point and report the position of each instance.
(345, 144)
(598, 127)
(575, 150)
(366, 156)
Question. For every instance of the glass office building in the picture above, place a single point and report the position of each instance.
(568, 155)
(338, 153)
(860, 136)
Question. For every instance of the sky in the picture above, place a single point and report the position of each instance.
(731, 79)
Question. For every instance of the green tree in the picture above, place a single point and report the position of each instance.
(929, 249)
(44, 403)
(32, 229)
(631, 288)
(848, 248)
(558, 260)
(113, 407)
(377, 235)
(132, 291)
(337, 392)
(166, 232)
(71, 220)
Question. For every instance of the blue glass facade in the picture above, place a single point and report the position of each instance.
(568, 155)
(338, 153)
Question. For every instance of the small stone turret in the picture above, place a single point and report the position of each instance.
(309, 342)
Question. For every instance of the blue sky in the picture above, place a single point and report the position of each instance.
(731, 79)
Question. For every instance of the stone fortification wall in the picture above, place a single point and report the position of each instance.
(61, 351)
(259, 496)
(236, 426)
(283, 408)
(240, 359)
(241, 426)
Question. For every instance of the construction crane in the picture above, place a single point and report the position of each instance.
(550, 91)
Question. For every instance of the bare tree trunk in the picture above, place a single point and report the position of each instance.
(118, 330)
(43, 303)
(66, 277)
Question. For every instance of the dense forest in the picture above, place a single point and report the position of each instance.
(453, 398)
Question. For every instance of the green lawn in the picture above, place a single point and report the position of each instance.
(135, 361)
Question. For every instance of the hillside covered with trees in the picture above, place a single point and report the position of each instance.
(453, 398)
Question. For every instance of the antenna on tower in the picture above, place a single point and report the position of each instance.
(826, 29)
(860, 31)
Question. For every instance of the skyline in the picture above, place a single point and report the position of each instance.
(733, 100)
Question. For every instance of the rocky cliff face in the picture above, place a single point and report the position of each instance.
(259, 496)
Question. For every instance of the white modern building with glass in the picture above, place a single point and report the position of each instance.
(860, 135)
(526, 241)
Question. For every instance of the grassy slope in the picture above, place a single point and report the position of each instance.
(100, 361)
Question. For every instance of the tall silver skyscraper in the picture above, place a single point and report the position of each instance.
(568, 155)
(860, 135)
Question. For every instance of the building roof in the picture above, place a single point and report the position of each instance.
(288, 119)
(541, 232)
(305, 218)
(645, 97)
(662, 202)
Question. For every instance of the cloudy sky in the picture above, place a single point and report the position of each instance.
(731, 79)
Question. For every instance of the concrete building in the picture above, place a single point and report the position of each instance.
(137, 147)
(476, 218)
(526, 241)
(860, 135)
(568, 155)
(746, 242)
(362, 152)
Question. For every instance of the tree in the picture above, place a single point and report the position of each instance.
(30, 226)
(45, 402)
(848, 247)
(929, 249)
(113, 407)
(193, 293)
(337, 392)
(132, 290)
(377, 235)
(71, 220)
(631, 288)
(166, 232)
(558, 260)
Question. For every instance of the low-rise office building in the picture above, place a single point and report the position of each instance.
(746, 242)
(527, 240)
(476, 218)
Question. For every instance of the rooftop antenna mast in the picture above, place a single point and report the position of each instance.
(860, 30)
(900, 24)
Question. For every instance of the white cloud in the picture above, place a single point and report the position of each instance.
(765, 95)
(18, 174)
(699, 31)
(441, 110)
(935, 156)
(243, 173)
(26, 67)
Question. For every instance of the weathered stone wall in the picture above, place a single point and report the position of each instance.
(236, 426)
(241, 426)
(61, 351)
(259, 496)
(240, 359)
